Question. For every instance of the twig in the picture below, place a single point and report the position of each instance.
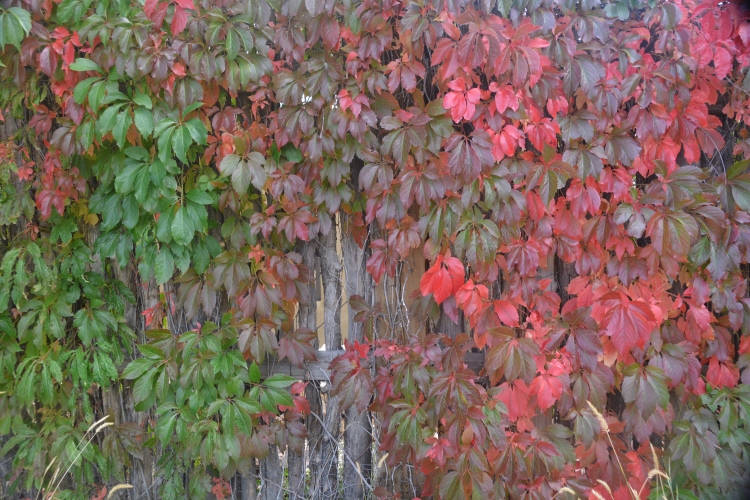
(346, 455)
(605, 428)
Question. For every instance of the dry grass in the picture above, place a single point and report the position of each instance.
(57, 479)
(660, 475)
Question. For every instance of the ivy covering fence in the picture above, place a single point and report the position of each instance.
(319, 249)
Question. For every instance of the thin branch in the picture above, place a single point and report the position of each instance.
(346, 455)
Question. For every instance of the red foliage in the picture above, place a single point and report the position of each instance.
(503, 142)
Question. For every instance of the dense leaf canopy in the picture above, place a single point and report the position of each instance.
(203, 143)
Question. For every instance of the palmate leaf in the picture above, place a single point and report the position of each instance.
(571, 123)
(297, 346)
(476, 239)
(672, 233)
(182, 227)
(443, 278)
(646, 387)
(734, 191)
(244, 171)
(511, 358)
(628, 322)
(164, 266)
(82, 64)
(15, 24)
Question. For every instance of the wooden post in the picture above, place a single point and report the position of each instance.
(330, 267)
(271, 476)
(357, 434)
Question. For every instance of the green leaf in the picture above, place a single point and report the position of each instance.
(82, 64)
(136, 368)
(164, 227)
(25, 388)
(124, 182)
(183, 228)
(15, 24)
(131, 212)
(279, 381)
(280, 396)
(144, 387)
(82, 89)
(112, 212)
(107, 119)
(248, 405)
(164, 143)
(268, 402)
(72, 10)
(137, 153)
(144, 121)
(197, 130)
(143, 100)
(120, 130)
(165, 425)
(115, 96)
(163, 126)
(232, 45)
(85, 133)
(164, 266)
(181, 142)
(191, 108)
(291, 153)
(96, 94)
(253, 373)
(200, 197)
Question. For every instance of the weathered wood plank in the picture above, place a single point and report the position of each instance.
(318, 370)
(315, 370)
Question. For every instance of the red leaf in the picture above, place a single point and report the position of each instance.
(48, 61)
(507, 312)
(744, 32)
(505, 97)
(461, 101)
(628, 323)
(722, 373)
(723, 62)
(100, 494)
(221, 489)
(473, 300)
(515, 395)
(155, 11)
(351, 379)
(47, 198)
(443, 278)
(179, 21)
(547, 389)
(297, 346)
(150, 7)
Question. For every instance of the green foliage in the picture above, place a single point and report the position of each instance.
(558, 163)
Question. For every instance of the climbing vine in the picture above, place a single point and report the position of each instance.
(573, 175)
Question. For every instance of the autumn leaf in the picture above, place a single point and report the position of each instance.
(722, 373)
(472, 299)
(461, 101)
(628, 323)
(506, 312)
(443, 279)
(646, 387)
(179, 20)
(511, 358)
(549, 384)
(297, 346)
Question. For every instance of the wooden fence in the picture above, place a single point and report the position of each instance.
(341, 457)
